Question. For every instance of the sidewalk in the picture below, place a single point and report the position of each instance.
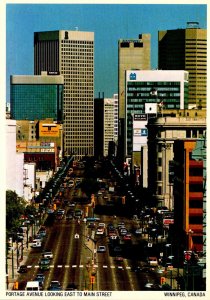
(18, 256)
(15, 258)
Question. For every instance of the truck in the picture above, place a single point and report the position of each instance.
(32, 286)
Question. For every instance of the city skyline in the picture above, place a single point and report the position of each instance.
(109, 22)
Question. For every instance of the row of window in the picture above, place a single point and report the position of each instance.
(153, 83)
(76, 42)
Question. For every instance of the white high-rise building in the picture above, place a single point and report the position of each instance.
(71, 54)
(116, 119)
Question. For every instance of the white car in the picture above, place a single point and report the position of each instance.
(99, 231)
(47, 254)
(113, 237)
(101, 249)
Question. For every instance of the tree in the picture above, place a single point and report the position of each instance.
(15, 207)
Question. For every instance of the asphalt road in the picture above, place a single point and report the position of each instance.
(75, 261)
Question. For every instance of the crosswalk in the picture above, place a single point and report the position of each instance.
(83, 266)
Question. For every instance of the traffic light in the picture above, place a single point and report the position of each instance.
(162, 280)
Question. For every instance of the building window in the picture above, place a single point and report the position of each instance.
(159, 162)
(159, 190)
(159, 176)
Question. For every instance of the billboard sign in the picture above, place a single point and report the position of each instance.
(47, 130)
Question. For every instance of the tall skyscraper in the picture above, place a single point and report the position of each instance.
(186, 49)
(133, 54)
(71, 54)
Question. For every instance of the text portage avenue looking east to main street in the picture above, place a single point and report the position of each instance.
(59, 294)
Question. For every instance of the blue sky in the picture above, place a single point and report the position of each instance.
(109, 22)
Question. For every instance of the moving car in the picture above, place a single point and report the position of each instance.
(40, 278)
(32, 286)
(54, 286)
(47, 254)
(23, 269)
(101, 249)
(71, 287)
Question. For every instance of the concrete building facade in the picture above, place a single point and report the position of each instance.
(162, 133)
(186, 49)
(14, 161)
(133, 54)
(104, 116)
(71, 54)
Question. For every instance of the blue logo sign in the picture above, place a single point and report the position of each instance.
(143, 132)
(132, 76)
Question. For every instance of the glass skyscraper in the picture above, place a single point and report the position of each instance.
(36, 97)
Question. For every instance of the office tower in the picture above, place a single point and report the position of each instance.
(186, 49)
(103, 125)
(133, 54)
(115, 97)
(71, 54)
(165, 89)
(36, 97)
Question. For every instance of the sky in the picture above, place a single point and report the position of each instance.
(109, 22)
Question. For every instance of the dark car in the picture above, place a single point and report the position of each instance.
(44, 264)
(40, 278)
(23, 269)
(71, 287)
(54, 286)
